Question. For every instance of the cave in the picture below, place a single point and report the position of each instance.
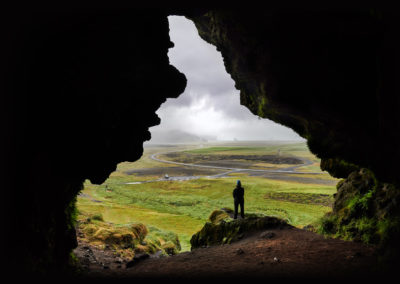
(73, 81)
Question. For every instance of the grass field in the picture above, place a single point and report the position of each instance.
(182, 207)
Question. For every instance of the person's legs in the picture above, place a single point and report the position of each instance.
(236, 209)
(242, 209)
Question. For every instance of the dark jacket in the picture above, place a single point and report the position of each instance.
(238, 193)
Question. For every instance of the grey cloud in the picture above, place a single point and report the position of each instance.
(210, 104)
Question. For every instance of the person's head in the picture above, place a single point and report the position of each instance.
(238, 183)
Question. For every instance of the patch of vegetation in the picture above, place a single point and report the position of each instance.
(304, 198)
(189, 157)
(127, 240)
(297, 149)
(365, 210)
(219, 149)
(352, 216)
(97, 217)
(182, 207)
(218, 216)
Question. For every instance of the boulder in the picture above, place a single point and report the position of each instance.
(222, 229)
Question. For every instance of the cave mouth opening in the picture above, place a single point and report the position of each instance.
(206, 141)
(70, 100)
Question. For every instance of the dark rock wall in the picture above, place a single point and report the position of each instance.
(81, 92)
(327, 74)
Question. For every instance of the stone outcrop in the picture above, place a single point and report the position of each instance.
(366, 210)
(222, 229)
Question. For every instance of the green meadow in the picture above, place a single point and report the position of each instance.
(182, 207)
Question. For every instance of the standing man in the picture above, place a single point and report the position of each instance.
(238, 198)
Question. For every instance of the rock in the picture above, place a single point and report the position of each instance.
(157, 254)
(227, 210)
(309, 228)
(217, 232)
(267, 235)
(141, 256)
(136, 259)
(129, 264)
(239, 251)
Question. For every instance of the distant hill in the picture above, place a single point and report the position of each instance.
(177, 136)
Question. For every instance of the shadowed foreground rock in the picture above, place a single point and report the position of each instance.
(82, 91)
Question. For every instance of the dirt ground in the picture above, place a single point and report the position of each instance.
(288, 253)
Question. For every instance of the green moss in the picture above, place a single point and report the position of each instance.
(170, 248)
(364, 211)
(139, 231)
(71, 213)
(217, 216)
(261, 107)
(228, 230)
(97, 217)
(128, 239)
(327, 224)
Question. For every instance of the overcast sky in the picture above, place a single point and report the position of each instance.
(210, 104)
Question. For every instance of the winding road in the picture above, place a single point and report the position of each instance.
(289, 170)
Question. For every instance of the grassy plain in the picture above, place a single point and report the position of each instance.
(183, 206)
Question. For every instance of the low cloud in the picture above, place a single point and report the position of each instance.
(210, 104)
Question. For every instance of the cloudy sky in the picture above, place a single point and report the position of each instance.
(210, 104)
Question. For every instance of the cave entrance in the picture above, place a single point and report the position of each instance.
(205, 143)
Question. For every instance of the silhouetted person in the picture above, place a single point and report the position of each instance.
(238, 198)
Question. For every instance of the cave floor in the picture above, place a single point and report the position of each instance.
(290, 253)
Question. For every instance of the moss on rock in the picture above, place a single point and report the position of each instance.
(128, 240)
(222, 229)
(217, 216)
(365, 210)
(338, 168)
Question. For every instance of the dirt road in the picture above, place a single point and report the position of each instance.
(289, 170)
